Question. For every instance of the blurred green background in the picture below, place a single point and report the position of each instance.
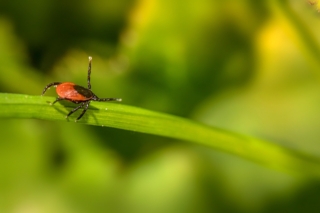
(248, 66)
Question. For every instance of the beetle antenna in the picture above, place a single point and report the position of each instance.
(50, 85)
(89, 72)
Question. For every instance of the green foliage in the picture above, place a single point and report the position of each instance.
(145, 121)
(227, 92)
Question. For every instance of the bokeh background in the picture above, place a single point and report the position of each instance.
(247, 66)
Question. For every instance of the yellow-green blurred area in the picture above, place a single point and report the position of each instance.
(248, 66)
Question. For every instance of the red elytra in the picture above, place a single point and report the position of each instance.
(73, 92)
(77, 94)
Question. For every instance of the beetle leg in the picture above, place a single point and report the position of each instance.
(84, 110)
(89, 72)
(58, 99)
(109, 99)
(75, 109)
(50, 85)
(95, 98)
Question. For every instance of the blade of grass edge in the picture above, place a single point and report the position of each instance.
(125, 117)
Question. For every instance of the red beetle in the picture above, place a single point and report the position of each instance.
(77, 94)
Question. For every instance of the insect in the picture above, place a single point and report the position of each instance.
(77, 94)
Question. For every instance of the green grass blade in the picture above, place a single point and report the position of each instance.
(136, 119)
(299, 31)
